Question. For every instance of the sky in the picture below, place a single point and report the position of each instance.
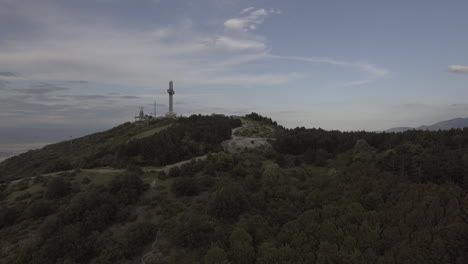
(70, 67)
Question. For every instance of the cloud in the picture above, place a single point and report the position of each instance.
(90, 97)
(232, 44)
(7, 74)
(78, 81)
(374, 72)
(458, 68)
(69, 48)
(42, 88)
(357, 83)
(72, 49)
(248, 9)
(250, 21)
(3, 84)
(248, 79)
(129, 97)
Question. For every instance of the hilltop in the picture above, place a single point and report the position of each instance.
(171, 140)
(443, 125)
(219, 189)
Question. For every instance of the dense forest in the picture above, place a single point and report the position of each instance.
(312, 196)
(423, 156)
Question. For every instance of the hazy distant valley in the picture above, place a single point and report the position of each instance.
(443, 125)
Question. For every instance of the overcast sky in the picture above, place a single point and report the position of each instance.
(68, 65)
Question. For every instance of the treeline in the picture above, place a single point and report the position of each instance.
(260, 118)
(423, 156)
(188, 137)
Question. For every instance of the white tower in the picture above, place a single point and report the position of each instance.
(171, 92)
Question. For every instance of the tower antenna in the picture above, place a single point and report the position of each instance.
(171, 92)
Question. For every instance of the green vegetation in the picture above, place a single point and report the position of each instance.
(314, 196)
(159, 142)
(258, 129)
(150, 132)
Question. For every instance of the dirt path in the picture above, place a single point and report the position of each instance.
(237, 143)
(153, 253)
(167, 168)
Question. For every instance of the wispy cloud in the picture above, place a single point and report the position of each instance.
(248, 79)
(233, 44)
(250, 20)
(374, 72)
(458, 68)
(42, 88)
(129, 97)
(248, 9)
(78, 81)
(7, 74)
(3, 84)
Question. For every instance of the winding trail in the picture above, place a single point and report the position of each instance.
(154, 252)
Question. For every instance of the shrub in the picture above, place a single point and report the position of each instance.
(216, 255)
(174, 172)
(192, 230)
(229, 202)
(127, 187)
(185, 186)
(242, 250)
(39, 209)
(138, 235)
(23, 196)
(8, 216)
(57, 188)
(59, 165)
(85, 180)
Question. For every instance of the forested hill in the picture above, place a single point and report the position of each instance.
(457, 123)
(154, 142)
(306, 196)
(422, 156)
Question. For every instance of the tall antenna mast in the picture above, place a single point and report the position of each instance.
(154, 108)
(171, 92)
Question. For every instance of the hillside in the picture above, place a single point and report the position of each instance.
(302, 196)
(444, 125)
(158, 142)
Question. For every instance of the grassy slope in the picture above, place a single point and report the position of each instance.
(151, 132)
(255, 129)
(35, 162)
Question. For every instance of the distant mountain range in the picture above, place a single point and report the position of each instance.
(444, 125)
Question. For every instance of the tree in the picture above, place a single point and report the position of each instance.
(230, 200)
(216, 255)
(241, 250)
(191, 230)
(274, 183)
(127, 187)
(8, 216)
(57, 188)
(185, 186)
